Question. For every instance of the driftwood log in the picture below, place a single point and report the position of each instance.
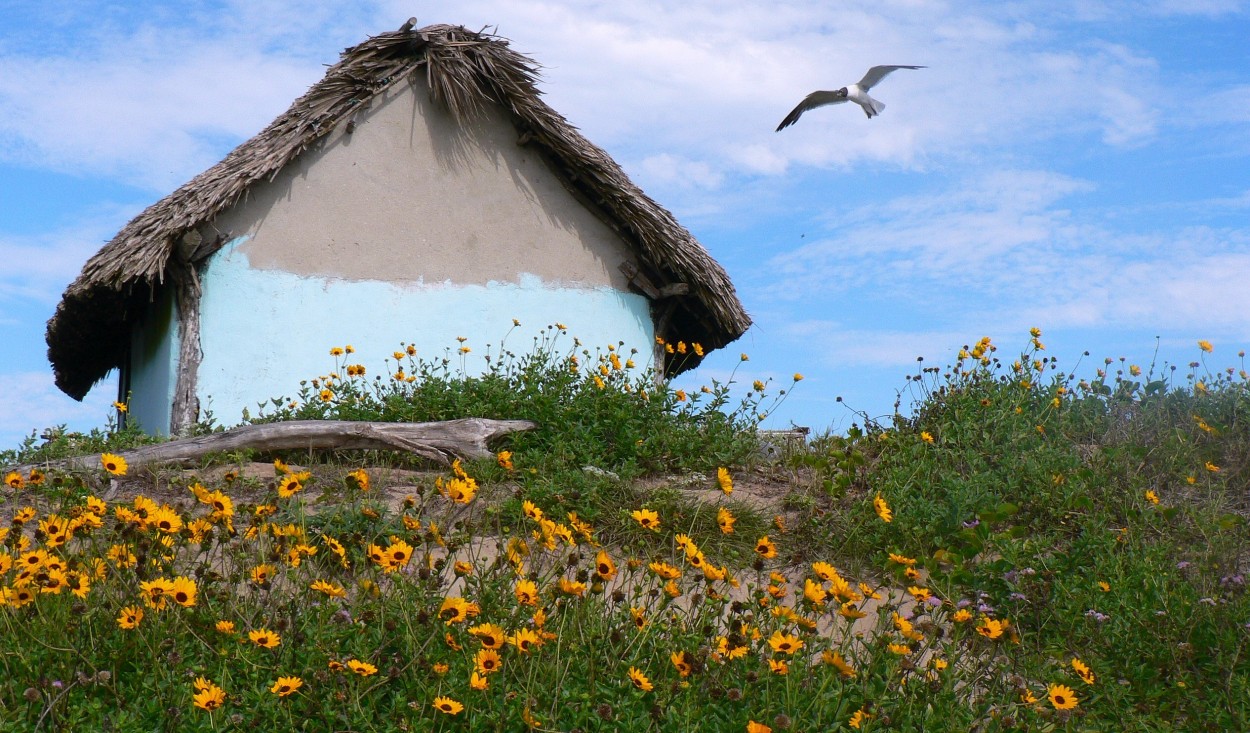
(437, 441)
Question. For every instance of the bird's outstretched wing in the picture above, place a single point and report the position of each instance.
(811, 101)
(877, 73)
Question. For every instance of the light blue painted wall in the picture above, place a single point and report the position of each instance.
(154, 365)
(262, 331)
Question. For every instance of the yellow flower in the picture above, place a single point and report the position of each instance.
(992, 628)
(572, 587)
(291, 484)
(882, 509)
(778, 666)
(14, 480)
(725, 520)
(398, 553)
(358, 479)
(754, 727)
(1152, 497)
(525, 640)
(926, 436)
(682, 663)
(456, 609)
(487, 661)
(461, 489)
(814, 592)
(765, 548)
(526, 593)
(604, 567)
(182, 590)
(490, 635)
(225, 627)
(1062, 697)
(785, 643)
(1083, 671)
(332, 590)
(1104, 586)
(155, 592)
(647, 518)
(364, 669)
(130, 617)
(858, 718)
(1212, 467)
(262, 574)
(902, 559)
(447, 705)
(798, 377)
(265, 638)
(114, 464)
(286, 686)
(478, 682)
(725, 480)
(209, 697)
(1206, 346)
(640, 680)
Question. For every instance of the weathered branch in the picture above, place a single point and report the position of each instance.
(437, 441)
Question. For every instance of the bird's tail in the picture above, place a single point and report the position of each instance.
(875, 105)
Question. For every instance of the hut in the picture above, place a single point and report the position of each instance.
(421, 191)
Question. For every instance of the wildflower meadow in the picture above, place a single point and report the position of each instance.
(1025, 550)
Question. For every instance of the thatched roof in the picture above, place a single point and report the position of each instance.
(468, 73)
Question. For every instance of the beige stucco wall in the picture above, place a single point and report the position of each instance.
(412, 196)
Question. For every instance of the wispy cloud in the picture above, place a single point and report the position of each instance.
(45, 263)
(1005, 243)
(155, 102)
(32, 403)
(834, 344)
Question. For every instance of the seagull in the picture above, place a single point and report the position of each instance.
(857, 93)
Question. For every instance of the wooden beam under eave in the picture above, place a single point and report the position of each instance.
(186, 407)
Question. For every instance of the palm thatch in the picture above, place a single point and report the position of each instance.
(468, 73)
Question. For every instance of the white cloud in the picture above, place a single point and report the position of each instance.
(836, 345)
(32, 403)
(699, 81)
(677, 171)
(1002, 250)
(45, 263)
(1212, 8)
(155, 103)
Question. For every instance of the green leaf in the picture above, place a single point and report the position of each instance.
(1228, 521)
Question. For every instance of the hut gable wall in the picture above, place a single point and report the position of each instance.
(412, 195)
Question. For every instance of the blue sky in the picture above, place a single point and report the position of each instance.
(1080, 167)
